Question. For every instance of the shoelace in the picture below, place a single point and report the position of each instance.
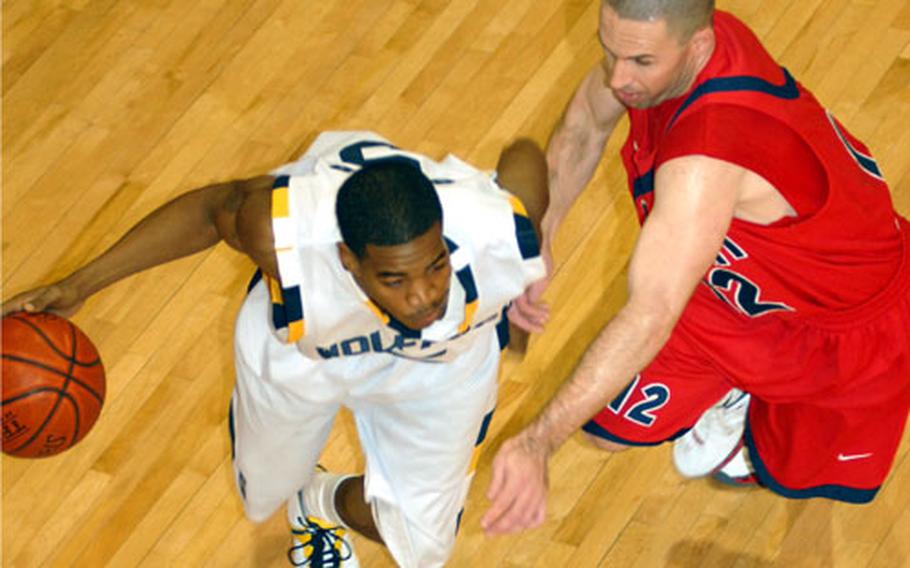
(328, 547)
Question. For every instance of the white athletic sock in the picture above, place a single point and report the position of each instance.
(319, 496)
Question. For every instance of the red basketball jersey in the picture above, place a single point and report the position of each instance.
(844, 246)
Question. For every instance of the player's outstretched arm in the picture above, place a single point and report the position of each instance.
(577, 144)
(573, 153)
(695, 201)
(237, 212)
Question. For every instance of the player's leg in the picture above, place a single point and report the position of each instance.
(421, 454)
(661, 403)
(277, 431)
(836, 434)
(281, 415)
(341, 500)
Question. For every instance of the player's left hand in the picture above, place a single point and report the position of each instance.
(518, 490)
(529, 312)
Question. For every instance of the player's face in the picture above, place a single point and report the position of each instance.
(409, 281)
(645, 62)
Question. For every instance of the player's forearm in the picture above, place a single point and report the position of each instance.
(179, 228)
(624, 347)
(573, 153)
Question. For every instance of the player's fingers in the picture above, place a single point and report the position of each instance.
(22, 302)
(40, 301)
(519, 319)
(499, 513)
(525, 316)
(499, 493)
(496, 479)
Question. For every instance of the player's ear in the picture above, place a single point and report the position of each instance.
(348, 259)
(702, 41)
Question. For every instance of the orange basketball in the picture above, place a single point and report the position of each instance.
(53, 384)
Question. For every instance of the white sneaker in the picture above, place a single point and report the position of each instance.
(717, 434)
(317, 543)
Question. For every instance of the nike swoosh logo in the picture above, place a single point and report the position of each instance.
(852, 457)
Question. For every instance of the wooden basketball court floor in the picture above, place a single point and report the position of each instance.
(112, 107)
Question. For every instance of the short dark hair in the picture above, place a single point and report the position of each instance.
(387, 202)
(685, 17)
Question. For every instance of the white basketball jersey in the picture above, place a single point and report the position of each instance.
(318, 305)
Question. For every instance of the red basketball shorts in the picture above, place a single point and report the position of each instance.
(829, 398)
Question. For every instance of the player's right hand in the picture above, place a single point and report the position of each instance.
(57, 298)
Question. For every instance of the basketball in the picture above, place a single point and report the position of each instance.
(53, 384)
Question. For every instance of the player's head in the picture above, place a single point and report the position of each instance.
(391, 226)
(654, 48)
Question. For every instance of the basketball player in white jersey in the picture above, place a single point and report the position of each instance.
(383, 279)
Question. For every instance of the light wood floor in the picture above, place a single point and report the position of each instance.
(111, 107)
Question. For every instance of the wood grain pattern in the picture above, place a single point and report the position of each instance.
(110, 108)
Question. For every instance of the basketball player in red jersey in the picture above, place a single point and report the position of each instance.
(771, 274)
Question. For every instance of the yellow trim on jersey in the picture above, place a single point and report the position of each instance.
(517, 206)
(296, 331)
(274, 290)
(297, 328)
(469, 310)
(475, 458)
(379, 313)
(281, 202)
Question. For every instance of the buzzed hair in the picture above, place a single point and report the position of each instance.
(683, 17)
(387, 202)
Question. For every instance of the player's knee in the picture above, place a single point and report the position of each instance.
(256, 516)
(605, 445)
(259, 513)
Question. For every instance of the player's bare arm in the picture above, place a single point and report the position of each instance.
(693, 209)
(237, 212)
(578, 141)
(572, 156)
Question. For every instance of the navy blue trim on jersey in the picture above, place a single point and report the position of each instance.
(466, 278)
(643, 184)
(867, 163)
(484, 427)
(595, 429)
(458, 520)
(788, 91)
(502, 329)
(401, 328)
(289, 310)
(257, 276)
(836, 492)
(231, 430)
(526, 236)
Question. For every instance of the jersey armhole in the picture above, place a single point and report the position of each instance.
(757, 142)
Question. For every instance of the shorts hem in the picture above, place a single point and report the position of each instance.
(595, 429)
(835, 492)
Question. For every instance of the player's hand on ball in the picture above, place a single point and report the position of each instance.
(518, 489)
(59, 298)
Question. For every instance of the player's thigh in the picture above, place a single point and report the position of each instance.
(280, 414)
(662, 402)
(420, 456)
(275, 458)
